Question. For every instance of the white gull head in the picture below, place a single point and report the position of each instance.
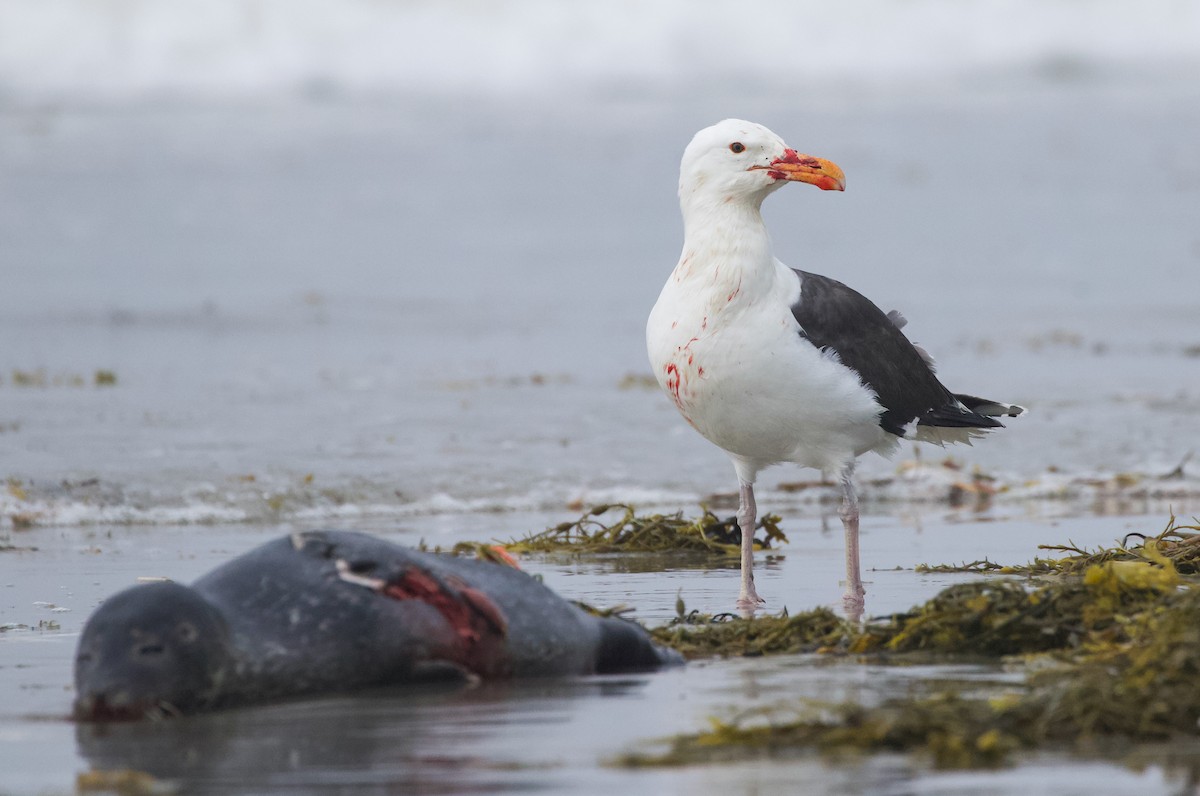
(736, 161)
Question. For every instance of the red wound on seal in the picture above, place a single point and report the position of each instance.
(475, 618)
(483, 605)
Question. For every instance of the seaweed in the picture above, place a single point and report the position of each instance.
(1180, 543)
(125, 782)
(646, 534)
(41, 379)
(1112, 657)
(696, 635)
(953, 731)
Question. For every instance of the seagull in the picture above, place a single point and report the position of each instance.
(773, 364)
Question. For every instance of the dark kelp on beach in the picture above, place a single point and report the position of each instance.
(630, 533)
(1110, 650)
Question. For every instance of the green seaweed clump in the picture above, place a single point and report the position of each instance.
(1112, 657)
(1134, 673)
(697, 635)
(989, 619)
(953, 731)
(655, 533)
(124, 782)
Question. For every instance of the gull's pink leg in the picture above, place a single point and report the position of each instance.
(748, 599)
(853, 600)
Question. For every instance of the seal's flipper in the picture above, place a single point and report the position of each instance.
(625, 647)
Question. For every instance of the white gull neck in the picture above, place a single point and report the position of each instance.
(723, 234)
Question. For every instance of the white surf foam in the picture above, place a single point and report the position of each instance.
(100, 50)
(914, 484)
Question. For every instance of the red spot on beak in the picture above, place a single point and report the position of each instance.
(824, 174)
(796, 159)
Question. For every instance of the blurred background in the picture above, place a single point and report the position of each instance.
(303, 260)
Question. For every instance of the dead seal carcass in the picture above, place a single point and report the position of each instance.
(331, 611)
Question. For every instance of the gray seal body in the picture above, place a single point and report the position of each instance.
(333, 611)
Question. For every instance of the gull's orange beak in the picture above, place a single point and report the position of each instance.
(793, 166)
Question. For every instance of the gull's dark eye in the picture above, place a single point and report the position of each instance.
(737, 147)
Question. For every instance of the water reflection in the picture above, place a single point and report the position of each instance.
(442, 739)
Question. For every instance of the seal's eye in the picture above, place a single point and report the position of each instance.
(187, 632)
(737, 147)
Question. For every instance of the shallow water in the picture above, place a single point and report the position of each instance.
(330, 310)
(518, 737)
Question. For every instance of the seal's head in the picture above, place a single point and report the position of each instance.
(154, 650)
